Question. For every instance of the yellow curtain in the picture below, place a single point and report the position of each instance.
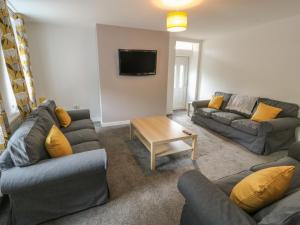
(4, 127)
(22, 44)
(12, 61)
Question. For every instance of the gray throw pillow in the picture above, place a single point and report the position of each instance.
(241, 104)
(50, 106)
(6, 161)
(27, 145)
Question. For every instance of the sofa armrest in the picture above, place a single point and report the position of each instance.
(200, 104)
(279, 124)
(294, 151)
(209, 203)
(54, 172)
(79, 114)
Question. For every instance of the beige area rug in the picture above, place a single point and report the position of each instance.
(142, 197)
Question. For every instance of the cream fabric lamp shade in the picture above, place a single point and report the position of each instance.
(176, 21)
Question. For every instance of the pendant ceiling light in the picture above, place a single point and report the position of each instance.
(176, 21)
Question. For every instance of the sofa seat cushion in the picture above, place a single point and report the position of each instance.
(86, 146)
(247, 126)
(206, 112)
(225, 117)
(80, 136)
(78, 125)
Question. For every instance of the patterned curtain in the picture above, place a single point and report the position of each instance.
(12, 61)
(4, 127)
(22, 44)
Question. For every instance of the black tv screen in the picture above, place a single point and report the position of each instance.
(137, 62)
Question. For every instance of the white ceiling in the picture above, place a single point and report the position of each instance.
(207, 18)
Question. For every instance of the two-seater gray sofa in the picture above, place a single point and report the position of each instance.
(41, 188)
(259, 137)
(208, 203)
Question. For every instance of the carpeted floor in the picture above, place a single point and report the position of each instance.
(142, 197)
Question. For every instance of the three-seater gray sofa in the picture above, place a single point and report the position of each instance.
(259, 137)
(41, 188)
(208, 203)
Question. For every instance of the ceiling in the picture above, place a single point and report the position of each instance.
(207, 18)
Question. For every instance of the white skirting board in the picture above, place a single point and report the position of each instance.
(115, 123)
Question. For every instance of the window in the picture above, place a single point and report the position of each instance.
(182, 45)
(8, 97)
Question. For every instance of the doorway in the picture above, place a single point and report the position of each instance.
(181, 72)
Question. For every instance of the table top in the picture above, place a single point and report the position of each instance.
(158, 129)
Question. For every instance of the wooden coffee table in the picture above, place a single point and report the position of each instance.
(162, 136)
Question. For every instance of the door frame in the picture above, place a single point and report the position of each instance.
(187, 81)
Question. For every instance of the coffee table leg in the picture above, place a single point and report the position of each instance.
(194, 145)
(153, 160)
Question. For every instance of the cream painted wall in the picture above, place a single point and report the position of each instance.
(262, 61)
(127, 97)
(65, 65)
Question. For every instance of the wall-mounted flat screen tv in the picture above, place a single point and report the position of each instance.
(137, 62)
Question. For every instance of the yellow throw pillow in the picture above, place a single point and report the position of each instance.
(216, 102)
(262, 188)
(63, 117)
(57, 144)
(265, 112)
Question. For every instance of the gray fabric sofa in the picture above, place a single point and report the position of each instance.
(261, 138)
(208, 202)
(41, 188)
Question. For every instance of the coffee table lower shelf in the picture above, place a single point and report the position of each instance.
(171, 148)
(164, 149)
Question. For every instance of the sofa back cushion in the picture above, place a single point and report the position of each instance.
(27, 145)
(43, 113)
(283, 212)
(225, 100)
(6, 161)
(241, 104)
(262, 188)
(50, 106)
(288, 109)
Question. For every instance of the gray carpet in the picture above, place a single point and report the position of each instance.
(142, 197)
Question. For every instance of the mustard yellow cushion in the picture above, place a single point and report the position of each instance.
(262, 187)
(216, 102)
(57, 144)
(265, 112)
(63, 117)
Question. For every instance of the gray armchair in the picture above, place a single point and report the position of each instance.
(208, 202)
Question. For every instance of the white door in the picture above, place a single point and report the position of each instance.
(180, 82)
